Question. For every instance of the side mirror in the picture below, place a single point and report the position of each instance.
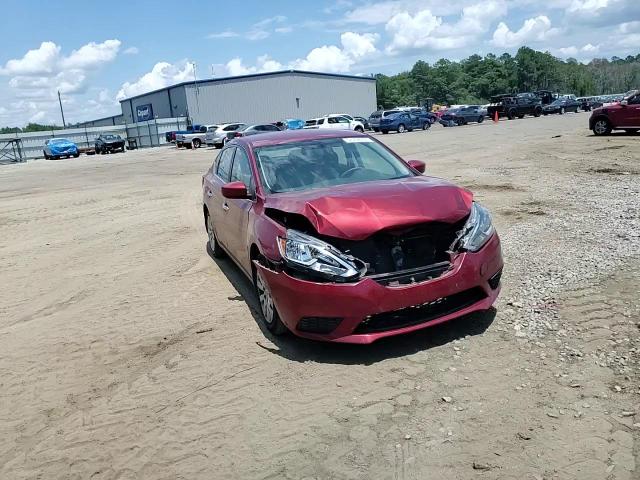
(417, 165)
(624, 103)
(235, 190)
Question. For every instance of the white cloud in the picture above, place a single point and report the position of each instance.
(40, 61)
(602, 12)
(270, 20)
(225, 34)
(629, 27)
(330, 58)
(532, 30)
(161, 75)
(283, 30)
(568, 51)
(91, 55)
(412, 31)
(380, 12)
(257, 35)
(589, 48)
(131, 51)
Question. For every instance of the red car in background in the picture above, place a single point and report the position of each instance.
(624, 115)
(343, 240)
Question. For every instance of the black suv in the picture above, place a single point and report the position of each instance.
(512, 106)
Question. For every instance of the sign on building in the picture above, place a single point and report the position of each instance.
(144, 112)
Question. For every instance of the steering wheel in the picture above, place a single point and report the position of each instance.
(348, 173)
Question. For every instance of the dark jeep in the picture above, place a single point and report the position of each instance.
(512, 106)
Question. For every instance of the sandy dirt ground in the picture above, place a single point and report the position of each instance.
(126, 352)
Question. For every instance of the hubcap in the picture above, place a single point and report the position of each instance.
(401, 128)
(601, 126)
(212, 236)
(266, 301)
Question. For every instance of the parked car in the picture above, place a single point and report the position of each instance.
(334, 122)
(621, 116)
(403, 122)
(248, 130)
(194, 139)
(56, 148)
(561, 105)
(344, 240)
(512, 106)
(589, 103)
(462, 116)
(217, 134)
(109, 143)
(171, 136)
(364, 122)
(376, 117)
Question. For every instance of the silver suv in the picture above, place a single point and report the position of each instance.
(217, 134)
(375, 117)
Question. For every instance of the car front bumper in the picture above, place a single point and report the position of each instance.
(366, 311)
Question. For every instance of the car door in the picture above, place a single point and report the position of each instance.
(217, 205)
(237, 210)
(631, 112)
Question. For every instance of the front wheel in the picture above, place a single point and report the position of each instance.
(537, 112)
(480, 119)
(385, 131)
(359, 129)
(426, 126)
(401, 128)
(46, 157)
(511, 114)
(267, 307)
(602, 126)
(196, 143)
(214, 246)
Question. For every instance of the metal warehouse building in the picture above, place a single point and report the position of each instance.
(258, 98)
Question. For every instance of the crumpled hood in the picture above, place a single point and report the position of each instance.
(358, 210)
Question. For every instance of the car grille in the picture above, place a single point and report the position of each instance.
(417, 314)
(319, 324)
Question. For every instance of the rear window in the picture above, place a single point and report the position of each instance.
(212, 128)
(375, 115)
(390, 112)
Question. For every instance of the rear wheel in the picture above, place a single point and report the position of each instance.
(480, 119)
(537, 112)
(511, 114)
(214, 246)
(196, 143)
(460, 122)
(359, 129)
(267, 307)
(602, 126)
(385, 131)
(401, 128)
(426, 125)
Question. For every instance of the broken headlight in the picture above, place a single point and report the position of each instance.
(316, 258)
(477, 230)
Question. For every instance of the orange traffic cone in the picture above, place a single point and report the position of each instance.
(496, 117)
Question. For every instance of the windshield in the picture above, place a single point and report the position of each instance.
(111, 137)
(60, 140)
(630, 94)
(325, 163)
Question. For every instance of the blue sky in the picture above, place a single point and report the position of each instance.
(95, 53)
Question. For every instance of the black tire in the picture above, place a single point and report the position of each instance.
(401, 128)
(521, 116)
(426, 125)
(385, 131)
(218, 145)
(537, 112)
(602, 126)
(96, 150)
(269, 316)
(376, 129)
(459, 122)
(359, 129)
(561, 112)
(480, 119)
(214, 246)
(76, 155)
(511, 114)
(196, 143)
(46, 157)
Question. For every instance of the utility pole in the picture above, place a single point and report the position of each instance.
(64, 125)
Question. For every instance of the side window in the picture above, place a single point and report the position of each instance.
(343, 120)
(271, 128)
(332, 120)
(224, 163)
(241, 171)
(321, 121)
(230, 128)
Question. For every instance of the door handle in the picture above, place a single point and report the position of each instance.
(209, 193)
(225, 207)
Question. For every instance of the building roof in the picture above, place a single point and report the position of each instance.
(250, 76)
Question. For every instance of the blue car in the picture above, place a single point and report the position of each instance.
(56, 148)
(402, 122)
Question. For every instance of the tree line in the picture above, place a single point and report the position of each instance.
(476, 79)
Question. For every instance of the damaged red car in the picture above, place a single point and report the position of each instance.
(345, 241)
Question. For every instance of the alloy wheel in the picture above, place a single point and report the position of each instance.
(600, 127)
(266, 301)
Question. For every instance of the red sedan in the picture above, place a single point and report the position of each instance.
(344, 240)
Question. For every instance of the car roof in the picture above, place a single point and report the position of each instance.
(290, 136)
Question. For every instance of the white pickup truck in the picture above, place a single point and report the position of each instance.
(194, 139)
